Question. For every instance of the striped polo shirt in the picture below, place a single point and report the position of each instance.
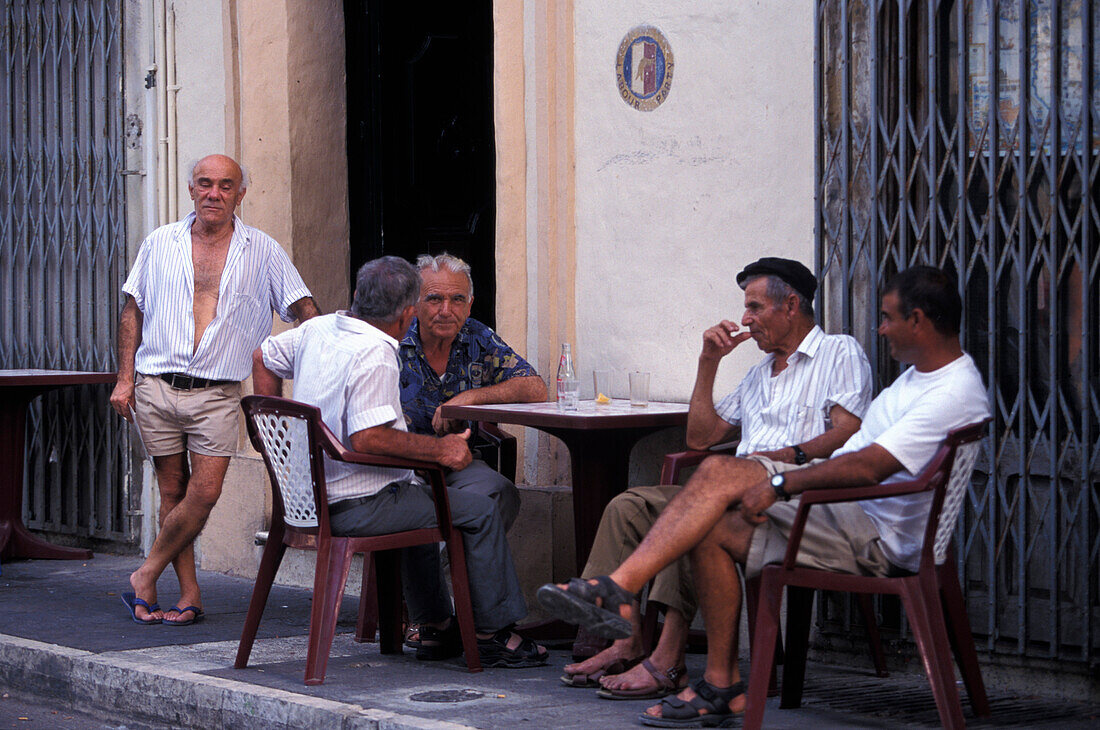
(258, 277)
(791, 408)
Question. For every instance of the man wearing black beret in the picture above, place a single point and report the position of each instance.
(779, 411)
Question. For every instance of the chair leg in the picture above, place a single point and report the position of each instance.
(367, 623)
(388, 598)
(762, 648)
(958, 625)
(333, 564)
(265, 577)
(874, 640)
(649, 625)
(922, 606)
(464, 612)
(800, 603)
(752, 597)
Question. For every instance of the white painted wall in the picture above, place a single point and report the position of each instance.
(201, 77)
(672, 203)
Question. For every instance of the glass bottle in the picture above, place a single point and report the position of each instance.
(568, 386)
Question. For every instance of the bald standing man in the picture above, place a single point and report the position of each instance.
(199, 300)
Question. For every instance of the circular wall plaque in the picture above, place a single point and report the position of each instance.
(644, 67)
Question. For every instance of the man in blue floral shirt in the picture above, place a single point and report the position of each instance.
(447, 357)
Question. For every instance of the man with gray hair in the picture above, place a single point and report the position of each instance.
(199, 298)
(449, 357)
(345, 364)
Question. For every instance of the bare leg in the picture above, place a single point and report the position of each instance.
(182, 523)
(715, 486)
(622, 649)
(173, 473)
(714, 565)
(668, 653)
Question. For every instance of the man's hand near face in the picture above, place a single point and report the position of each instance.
(721, 339)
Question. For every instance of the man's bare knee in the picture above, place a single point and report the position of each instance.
(729, 476)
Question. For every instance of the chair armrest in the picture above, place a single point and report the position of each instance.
(432, 470)
(859, 494)
(848, 494)
(338, 452)
(676, 462)
(505, 444)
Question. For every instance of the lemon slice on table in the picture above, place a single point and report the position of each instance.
(601, 398)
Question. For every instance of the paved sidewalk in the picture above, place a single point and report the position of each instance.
(65, 635)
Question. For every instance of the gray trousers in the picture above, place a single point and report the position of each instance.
(494, 587)
(480, 478)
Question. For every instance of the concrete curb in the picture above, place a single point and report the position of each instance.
(119, 687)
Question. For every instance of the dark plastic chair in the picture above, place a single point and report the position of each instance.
(293, 439)
(929, 596)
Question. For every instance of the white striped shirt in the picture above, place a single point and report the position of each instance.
(349, 370)
(790, 408)
(257, 278)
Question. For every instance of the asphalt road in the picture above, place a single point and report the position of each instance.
(26, 713)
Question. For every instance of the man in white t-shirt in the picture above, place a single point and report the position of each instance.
(723, 519)
(346, 364)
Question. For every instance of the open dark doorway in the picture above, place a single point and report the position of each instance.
(421, 158)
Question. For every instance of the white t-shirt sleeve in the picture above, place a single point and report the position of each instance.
(852, 380)
(371, 392)
(915, 436)
(280, 351)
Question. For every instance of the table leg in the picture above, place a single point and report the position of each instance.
(16, 541)
(600, 464)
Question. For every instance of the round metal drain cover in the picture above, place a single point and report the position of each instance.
(447, 695)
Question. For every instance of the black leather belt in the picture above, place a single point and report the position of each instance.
(179, 381)
(345, 504)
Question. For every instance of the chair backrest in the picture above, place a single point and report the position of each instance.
(958, 455)
(284, 432)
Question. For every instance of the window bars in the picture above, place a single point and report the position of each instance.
(63, 252)
(964, 134)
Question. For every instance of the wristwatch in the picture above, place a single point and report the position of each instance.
(778, 483)
(799, 455)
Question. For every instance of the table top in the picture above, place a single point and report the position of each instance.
(588, 416)
(31, 377)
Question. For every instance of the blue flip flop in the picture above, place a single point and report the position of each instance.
(132, 601)
(199, 616)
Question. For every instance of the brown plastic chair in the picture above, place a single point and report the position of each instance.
(293, 440)
(929, 596)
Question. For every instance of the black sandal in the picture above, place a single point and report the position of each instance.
(436, 644)
(494, 651)
(676, 712)
(577, 605)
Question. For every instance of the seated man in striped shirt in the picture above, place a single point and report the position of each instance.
(780, 411)
(199, 300)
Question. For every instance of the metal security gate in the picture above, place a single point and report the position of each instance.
(63, 253)
(965, 134)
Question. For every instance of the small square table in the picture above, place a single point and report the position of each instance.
(599, 439)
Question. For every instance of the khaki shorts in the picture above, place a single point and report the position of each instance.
(203, 420)
(838, 537)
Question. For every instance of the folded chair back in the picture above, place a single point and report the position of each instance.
(966, 446)
(285, 435)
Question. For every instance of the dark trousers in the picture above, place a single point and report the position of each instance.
(494, 586)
